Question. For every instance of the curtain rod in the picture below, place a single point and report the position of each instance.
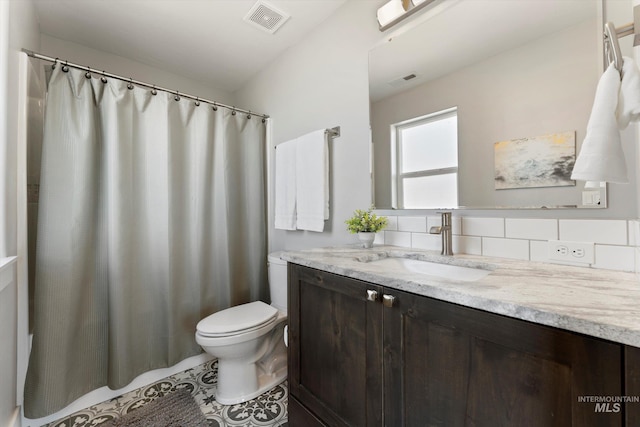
(139, 83)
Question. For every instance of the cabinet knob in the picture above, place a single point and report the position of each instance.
(388, 300)
(372, 295)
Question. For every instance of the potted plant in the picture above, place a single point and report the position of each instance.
(366, 224)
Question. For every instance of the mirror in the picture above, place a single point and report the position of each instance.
(521, 76)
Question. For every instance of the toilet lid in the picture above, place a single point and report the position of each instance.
(237, 319)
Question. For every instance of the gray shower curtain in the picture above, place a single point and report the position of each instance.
(152, 216)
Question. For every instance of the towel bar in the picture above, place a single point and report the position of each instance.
(333, 132)
(612, 34)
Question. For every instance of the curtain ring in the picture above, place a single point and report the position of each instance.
(154, 91)
(233, 112)
(249, 115)
(53, 66)
(197, 102)
(177, 97)
(88, 73)
(215, 107)
(65, 67)
(130, 84)
(264, 120)
(103, 79)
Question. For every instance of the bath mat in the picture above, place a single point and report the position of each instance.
(177, 409)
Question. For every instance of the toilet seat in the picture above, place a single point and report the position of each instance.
(237, 320)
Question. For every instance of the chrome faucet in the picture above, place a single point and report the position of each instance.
(445, 231)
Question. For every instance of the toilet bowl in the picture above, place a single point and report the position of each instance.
(248, 341)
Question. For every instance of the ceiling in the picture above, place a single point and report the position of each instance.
(204, 40)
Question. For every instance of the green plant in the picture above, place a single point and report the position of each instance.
(365, 221)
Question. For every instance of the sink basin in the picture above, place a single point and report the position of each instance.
(428, 268)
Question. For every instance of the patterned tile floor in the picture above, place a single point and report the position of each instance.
(268, 409)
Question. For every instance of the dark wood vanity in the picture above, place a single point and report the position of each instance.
(362, 354)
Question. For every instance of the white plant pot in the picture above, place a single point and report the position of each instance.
(367, 238)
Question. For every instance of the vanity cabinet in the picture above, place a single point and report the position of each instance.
(365, 355)
(335, 350)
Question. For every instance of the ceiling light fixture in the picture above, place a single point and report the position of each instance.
(395, 11)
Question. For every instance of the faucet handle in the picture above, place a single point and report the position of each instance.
(436, 229)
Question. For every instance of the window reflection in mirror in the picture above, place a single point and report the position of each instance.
(425, 170)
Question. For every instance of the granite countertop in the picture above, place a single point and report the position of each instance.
(599, 303)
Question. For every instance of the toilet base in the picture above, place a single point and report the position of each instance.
(240, 380)
(227, 393)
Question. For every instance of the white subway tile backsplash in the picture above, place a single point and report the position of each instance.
(432, 242)
(605, 231)
(379, 240)
(397, 238)
(485, 227)
(417, 224)
(538, 251)
(467, 245)
(634, 233)
(505, 248)
(392, 223)
(617, 241)
(456, 223)
(533, 229)
(615, 258)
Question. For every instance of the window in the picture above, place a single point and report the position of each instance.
(425, 161)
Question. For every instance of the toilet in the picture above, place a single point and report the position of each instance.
(248, 341)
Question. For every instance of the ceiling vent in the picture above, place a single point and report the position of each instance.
(266, 17)
(402, 80)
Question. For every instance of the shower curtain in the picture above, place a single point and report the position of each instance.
(152, 216)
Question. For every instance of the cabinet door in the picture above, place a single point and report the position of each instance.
(335, 348)
(448, 365)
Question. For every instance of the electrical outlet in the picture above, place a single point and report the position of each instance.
(573, 252)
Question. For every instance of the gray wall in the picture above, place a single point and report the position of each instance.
(322, 82)
(100, 60)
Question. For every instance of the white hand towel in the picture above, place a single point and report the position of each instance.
(629, 97)
(601, 157)
(285, 183)
(312, 188)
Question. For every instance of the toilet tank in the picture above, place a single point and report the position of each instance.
(277, 281)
